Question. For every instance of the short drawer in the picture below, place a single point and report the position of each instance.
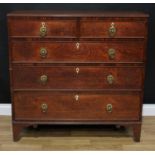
(42, 28)
(75, 106)
(113, 29)
(106, 51)
(77, 77)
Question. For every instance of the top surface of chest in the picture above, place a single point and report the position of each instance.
(76, 14)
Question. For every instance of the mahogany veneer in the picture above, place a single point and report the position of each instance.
(77, 68)
(89, 107)
(65, 77)
(89, 51)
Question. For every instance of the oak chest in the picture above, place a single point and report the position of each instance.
(77, 68)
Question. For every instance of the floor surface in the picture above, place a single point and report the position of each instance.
(77, 137)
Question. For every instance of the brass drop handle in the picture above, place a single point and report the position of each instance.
(111, 53)
(43, 30)
(110, 79)
(77, 46)
(76, 97)
(77, 70)
(109, 108)
(43, 79)
(43, 52)
(44, 107)
(112, 30)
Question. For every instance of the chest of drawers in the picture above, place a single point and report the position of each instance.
(77, 68)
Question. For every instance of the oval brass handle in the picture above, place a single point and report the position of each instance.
(43, 30)
(77, 70)
(77, 45)
(110, 79)
(109, 107)
(43, 78)
(112, 30)
(44, 107)
(111, 53)
(43, 52)
(76, 97)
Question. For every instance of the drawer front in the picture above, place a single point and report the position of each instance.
(44, 106)
(101, 28)
(41, 28)
(77, 77)
(114, 51)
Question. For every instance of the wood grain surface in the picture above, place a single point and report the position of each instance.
(88, 51)
(64, 106)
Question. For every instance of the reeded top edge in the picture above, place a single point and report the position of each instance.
(77, 14)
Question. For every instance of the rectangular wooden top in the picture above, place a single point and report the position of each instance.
(77, 14)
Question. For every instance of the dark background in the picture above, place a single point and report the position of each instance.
(149, 90)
